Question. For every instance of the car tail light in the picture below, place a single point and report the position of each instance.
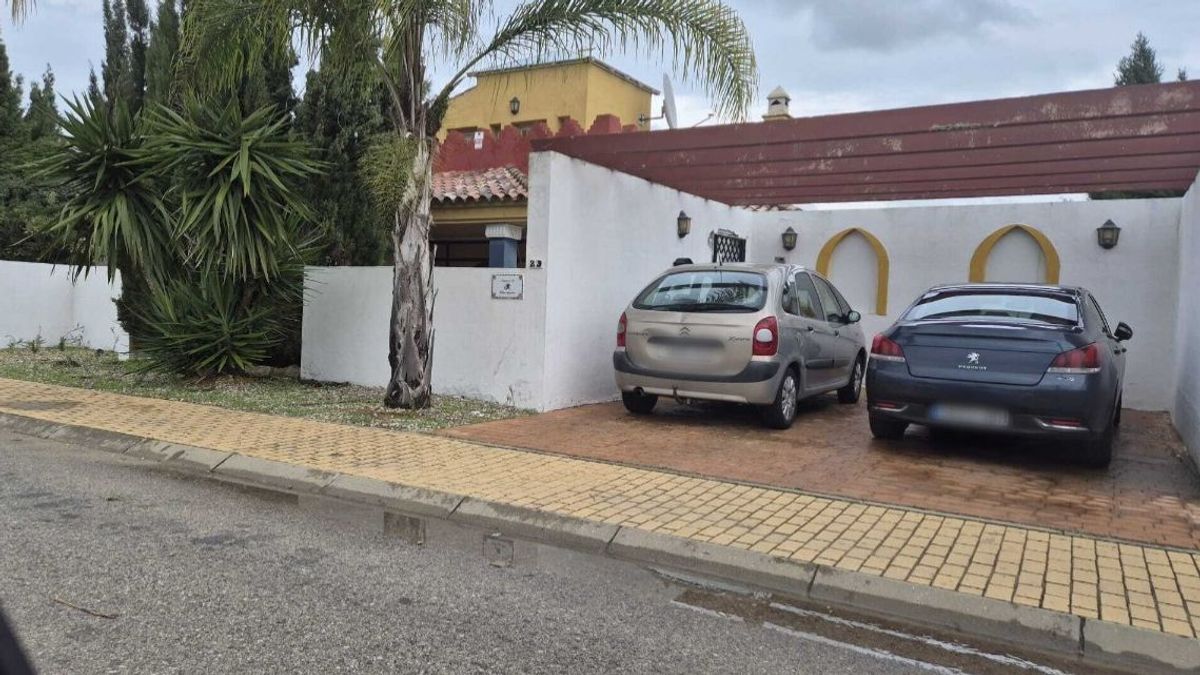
(885, 349)
(621, 330)
(1080, 361)
(766, 337)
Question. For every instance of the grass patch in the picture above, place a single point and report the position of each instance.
(339, 403)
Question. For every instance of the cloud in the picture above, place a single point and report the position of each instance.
(890, 26)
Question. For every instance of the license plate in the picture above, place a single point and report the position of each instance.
(694, 353)
(969, 416)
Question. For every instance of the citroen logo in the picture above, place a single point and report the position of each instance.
(973, 358)
(685, 331)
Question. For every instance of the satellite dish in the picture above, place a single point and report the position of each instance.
(670, 111)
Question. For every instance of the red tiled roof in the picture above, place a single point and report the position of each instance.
(501, 184)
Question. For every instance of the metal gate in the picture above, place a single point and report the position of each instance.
(728, 248)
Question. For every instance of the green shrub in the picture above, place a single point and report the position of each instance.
(204, 327)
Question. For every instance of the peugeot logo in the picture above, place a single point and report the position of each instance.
(685, 331)
(973, 358)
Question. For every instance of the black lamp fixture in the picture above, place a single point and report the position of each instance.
(1108, 234)
(789, 239)
(683, 224)
(514, 106)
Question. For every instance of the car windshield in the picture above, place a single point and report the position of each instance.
(967, 304)
(705, 291)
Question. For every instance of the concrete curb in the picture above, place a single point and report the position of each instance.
(1097, 642)
(524, 523)
(274, 474)
(971, 614)
(410, 500)
(697, 557)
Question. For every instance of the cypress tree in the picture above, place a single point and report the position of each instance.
(42, 116)
(10, 99)
(162, 52)
(93, 89)
(139, 36)
(115, 69)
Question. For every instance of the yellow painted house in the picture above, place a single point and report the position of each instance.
(549, 92)
(479, 211)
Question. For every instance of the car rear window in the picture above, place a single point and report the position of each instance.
(705, 291)
(967, 304)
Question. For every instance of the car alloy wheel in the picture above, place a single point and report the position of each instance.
(788, 392)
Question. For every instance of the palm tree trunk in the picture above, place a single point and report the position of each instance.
(410, 347)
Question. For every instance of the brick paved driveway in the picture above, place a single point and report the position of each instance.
(1148, 494)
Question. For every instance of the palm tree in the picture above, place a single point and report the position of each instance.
(20, 8)
(221, 38)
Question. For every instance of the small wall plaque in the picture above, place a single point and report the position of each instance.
(508, 286)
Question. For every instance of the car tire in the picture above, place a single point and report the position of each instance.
(639, 404)
(887, 429)
(781, 413)
(853, 389)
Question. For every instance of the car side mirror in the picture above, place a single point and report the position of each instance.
(853, 317)
(1123, 332)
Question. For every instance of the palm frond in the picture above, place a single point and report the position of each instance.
(20, 9)
(706, 38)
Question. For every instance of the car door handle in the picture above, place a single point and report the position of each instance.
(810, 329)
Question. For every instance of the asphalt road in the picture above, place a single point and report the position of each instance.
(110, 566)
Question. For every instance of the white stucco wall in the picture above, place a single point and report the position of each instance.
(483, 348)
(37, 299)
(1134, 282)
(602, 236)
(1186, 406)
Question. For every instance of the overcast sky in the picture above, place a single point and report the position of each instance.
(831, 55)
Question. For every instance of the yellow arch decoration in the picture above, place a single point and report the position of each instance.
(883, 263)
(980, 259)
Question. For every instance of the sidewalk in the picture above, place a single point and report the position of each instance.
(1135, 585)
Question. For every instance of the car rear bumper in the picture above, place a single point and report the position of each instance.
(756, 384)
(1033, 410)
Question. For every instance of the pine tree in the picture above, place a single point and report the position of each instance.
(161, 54)
(139, 36)
(115, 69)
(1140, 66)
(42, 117)
(10, 99)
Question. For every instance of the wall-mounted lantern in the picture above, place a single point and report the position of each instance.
(1108, 234)
(789, 239)
(514, 106)
(683, 224)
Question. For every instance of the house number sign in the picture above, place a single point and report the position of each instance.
(508, 286)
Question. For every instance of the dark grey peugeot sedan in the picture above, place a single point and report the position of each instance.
(1024, 359)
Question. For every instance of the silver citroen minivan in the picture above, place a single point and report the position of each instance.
(768, 335)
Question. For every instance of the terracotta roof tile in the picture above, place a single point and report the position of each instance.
(502, 184)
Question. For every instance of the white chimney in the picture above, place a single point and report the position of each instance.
(777, 105)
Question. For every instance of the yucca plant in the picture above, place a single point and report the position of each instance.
(202, 327)
(400, 39)
(113, 214)
(235, 181)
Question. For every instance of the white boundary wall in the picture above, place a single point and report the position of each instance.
(1136, 282)
(1186, 406)
(37, 299)
(601, 235)
(483, 347)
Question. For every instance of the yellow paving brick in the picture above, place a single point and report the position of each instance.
(1142, 585)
